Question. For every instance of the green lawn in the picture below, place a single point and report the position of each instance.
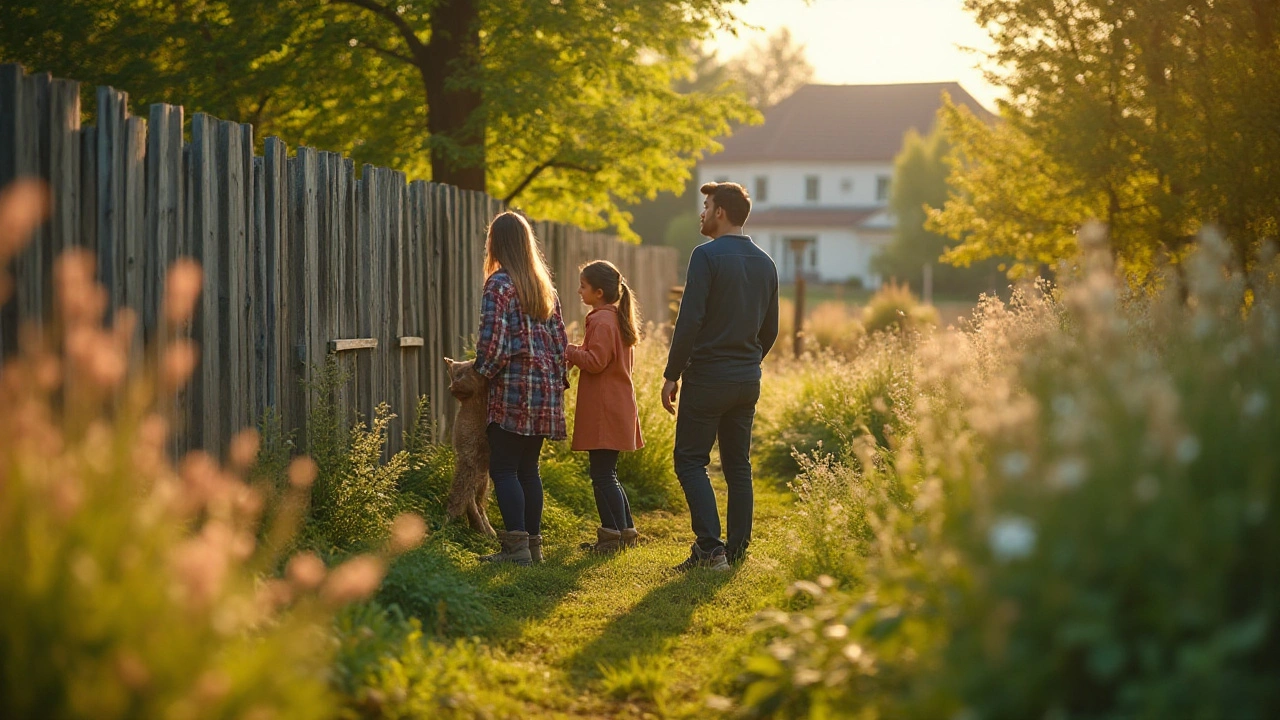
(623, 636)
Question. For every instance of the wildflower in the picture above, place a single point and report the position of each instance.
(305, 570)
(1012, 538)
(244, 449)
(1188, 449)
(1068, 473)
(407, 531)
(1015, 464)
(1146, 488)
(302, 472)
(131, 670)
(178, 364)
(182, 288)
(836, 632)
(1255, 404)
(353, 580)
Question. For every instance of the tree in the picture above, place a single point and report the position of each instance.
(1155, 117)
(566, 109)
(772, 69)
(919, 181)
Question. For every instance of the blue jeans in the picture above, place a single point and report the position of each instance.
(708, 412)
(611, 499)
(513, 467)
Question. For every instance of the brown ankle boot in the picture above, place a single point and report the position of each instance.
(535, 548)
(515, 549)
(630, 538)
(607, 541)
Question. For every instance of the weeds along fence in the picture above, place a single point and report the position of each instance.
(301, 258)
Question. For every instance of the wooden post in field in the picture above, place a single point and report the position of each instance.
(927, 286)
(797, 330)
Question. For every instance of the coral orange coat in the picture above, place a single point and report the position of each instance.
(606, 416)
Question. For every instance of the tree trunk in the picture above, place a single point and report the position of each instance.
(453, 100)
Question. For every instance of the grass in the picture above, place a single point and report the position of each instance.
(617, 636)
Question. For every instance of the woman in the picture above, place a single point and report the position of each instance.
(522, 351)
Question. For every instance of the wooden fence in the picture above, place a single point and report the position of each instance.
(301, 258)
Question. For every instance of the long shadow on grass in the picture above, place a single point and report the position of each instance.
(516, 595)
(642, 632)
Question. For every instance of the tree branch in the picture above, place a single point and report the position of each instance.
(384, 51)
(533, 174)
(406, 30)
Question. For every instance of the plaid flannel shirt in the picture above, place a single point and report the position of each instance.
(524, 361)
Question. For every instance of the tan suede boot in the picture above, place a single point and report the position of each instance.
(630, 538)
(535, 548)
(607, 541)
(515, 549)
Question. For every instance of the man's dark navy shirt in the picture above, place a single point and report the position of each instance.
(729, 313)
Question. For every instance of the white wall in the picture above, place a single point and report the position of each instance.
(837, 256)
(787, 182)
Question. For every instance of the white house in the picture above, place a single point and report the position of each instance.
(819, 170)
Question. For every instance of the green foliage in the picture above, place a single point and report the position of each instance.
(356, 493)
(824, 404)
(131, 588)
(920, 181)
(637, 680)
(894, 308)
(1153, 118)
(422, 679)
(579, 101)
(430, 471)
(1090, 477)
(428, 585)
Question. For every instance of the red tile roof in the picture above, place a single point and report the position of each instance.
(809, 217)
(849, 123)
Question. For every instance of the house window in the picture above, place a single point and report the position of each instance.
(846, 185)
(811, 188)
(882, 188)
(762, 188)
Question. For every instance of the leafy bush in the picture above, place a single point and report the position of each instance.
(894, 307)
(131, 588)
(1094, 481)
(823, 403)
(427, 584)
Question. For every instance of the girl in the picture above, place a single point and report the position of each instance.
(606, 421)
(522, 351)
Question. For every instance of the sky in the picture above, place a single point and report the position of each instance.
(873, 41)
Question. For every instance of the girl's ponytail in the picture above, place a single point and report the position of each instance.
(629, 315)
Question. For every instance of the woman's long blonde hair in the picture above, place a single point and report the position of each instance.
(607, 278)
(512, 247)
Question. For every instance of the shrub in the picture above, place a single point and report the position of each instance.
(832, 326)
(894, 307)
(1094, 478)
(131, 588)
(426, 584)
(823, 403)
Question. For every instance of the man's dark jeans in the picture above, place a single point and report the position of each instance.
(707, 412)
(513, 467)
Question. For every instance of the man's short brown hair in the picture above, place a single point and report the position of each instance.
(732, 197)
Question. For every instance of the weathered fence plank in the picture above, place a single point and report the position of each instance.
(300, 259)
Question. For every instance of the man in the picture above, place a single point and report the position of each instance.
(728, 322)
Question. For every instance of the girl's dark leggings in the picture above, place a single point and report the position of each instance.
(611, 499)
(513, 467)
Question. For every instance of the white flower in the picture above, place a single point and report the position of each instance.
(1188, 449)
(1012, 538)
(1255, 404)
(1068, 473)
(1146, 488)
(1015, 464)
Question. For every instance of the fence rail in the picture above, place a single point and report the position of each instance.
(301, 257)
